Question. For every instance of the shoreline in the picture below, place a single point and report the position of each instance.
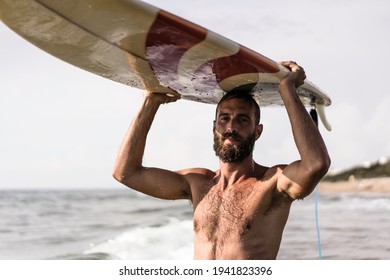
(371, 185)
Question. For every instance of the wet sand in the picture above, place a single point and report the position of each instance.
(373, 185)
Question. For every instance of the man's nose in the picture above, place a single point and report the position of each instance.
(232, 126)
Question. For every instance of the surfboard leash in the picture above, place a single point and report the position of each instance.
(314, 116)
(317, 226)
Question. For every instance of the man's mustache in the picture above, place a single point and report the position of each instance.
(232, 134)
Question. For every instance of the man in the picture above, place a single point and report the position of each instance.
(241, 209)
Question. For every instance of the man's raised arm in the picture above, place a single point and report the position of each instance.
(128, 167)
(300, 177)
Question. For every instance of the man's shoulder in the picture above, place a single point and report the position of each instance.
(199, 180)
(268, 172)
(270, 176)
(274, 173)
(197, 172)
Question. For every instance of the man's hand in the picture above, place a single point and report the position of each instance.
(296, 77)
(161, 98)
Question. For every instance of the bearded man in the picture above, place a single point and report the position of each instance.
(241, 209)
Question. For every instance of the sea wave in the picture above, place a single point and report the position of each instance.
(173, 240)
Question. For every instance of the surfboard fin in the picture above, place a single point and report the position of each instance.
(321, 113)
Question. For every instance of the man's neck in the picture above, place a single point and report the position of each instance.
(232, 173)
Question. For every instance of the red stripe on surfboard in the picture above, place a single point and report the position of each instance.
(168, 39)
(243, 62)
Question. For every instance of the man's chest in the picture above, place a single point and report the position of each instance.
(233, 211)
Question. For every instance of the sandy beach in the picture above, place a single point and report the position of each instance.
(373, 185)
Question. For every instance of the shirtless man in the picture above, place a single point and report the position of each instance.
(241, 209)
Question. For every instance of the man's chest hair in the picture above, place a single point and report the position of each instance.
(234, 209)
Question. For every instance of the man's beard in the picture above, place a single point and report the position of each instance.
(232, 153)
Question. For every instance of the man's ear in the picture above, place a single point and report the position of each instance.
(214, 125)
(259, 130)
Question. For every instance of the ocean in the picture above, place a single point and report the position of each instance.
(123, 224)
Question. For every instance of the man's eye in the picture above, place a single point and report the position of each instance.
(224, 118)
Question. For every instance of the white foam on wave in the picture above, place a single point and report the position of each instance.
(171, 241)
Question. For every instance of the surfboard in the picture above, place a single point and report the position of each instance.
(140, 45)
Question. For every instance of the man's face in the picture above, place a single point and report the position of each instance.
(235, 131)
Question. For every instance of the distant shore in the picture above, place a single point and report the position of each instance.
(372, 185)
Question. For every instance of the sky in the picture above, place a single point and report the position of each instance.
(61, 127)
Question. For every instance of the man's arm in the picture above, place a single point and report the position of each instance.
(128, 167)
(300, 177)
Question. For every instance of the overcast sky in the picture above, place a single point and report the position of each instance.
(61, 127)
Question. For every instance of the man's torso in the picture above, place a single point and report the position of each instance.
(241, 221)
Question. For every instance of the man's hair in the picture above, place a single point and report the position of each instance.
(244, 95)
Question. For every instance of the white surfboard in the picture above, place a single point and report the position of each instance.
(137, 44)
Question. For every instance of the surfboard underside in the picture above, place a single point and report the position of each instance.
(137, 44)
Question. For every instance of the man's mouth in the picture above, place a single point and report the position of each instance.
(231, 136)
